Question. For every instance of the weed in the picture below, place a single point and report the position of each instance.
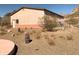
(69, 37)
(51, 42)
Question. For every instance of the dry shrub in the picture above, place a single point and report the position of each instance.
(20, 30)
(46, 36)
(36, 49)
(32, 32)
(35, 33)
(72, 21)
(2, 31)
(51, 42)
(52, 35)
(62, 37)
(69, 37)
(43, 30)
(38, 35)
(48, 23)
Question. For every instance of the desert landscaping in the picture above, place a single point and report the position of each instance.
(44, 43)
(53, 38)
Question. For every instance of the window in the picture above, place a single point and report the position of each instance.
(17, 21)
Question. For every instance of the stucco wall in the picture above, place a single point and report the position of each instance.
(27, 17)
(30, 18)
(52, 15)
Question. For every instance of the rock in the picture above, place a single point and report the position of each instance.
(27, 38)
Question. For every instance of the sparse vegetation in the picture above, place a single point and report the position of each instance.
(2, 31)
(50, 42)
(43, 30)
(48, 23)
(72, 21)
(46, 36)
(38, 36)
(52, 35)
(5, 21)
(36, 49)
(33, 31)
(62, 37)
(69, 37)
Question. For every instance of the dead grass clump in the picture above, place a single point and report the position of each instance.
(52, 35)
(38, 35)
(30, 33)
(46, 36)
(2, 31)
(69, 37)
(51, 42)
(62, 37)
(43, 30)
(20, 30)
(36, 49)
(35, 34)
(33, 31)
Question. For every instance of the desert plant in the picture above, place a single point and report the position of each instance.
(5, 21)
(0, 20)
(77, 25)
(46, 36)
(2, 31)
(72, 21)
(36, 49)
(52, 35)
(69, 37)
(62, 37)
(32, 31)
(38, 36)
(43, 30)
(48, 23)
(51, 42)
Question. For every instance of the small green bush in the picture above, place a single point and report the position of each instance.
(49, 23)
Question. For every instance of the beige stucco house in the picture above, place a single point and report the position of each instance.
(26, 17)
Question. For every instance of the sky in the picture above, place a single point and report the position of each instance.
(57, 8)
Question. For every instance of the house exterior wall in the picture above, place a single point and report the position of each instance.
(53, 16)
(28, 18)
